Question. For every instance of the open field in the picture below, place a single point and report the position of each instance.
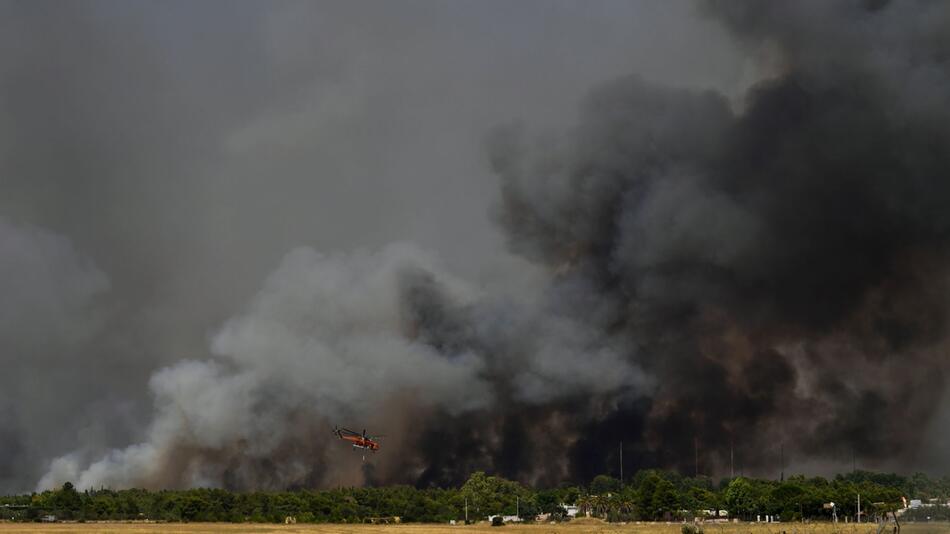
(580, 527)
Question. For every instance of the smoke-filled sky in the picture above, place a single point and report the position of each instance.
(508, 235)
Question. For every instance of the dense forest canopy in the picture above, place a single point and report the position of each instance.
(648, 495)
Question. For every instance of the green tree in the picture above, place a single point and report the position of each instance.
(585, 504)
(739, 497)
(67, 502)
(665, 499)
(647, 482)
(479, 491)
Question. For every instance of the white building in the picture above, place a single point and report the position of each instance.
(506, 518)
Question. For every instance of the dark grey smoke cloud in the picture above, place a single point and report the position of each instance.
(782, 268)
(687, 259)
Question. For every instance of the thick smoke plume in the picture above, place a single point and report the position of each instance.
(782, 269)
(384, 337)
(716, 275)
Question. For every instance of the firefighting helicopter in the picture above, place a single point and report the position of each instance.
(359, 441)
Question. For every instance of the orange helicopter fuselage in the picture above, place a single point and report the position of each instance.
(361, 442)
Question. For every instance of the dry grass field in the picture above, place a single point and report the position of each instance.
(578, 527)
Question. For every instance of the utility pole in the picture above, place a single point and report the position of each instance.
(732, 461)
(781, 462)
(859, 507)
(466, 510)
(621, 465)
(696, 455)
(518, 505)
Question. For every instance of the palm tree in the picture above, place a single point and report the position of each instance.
(625, 505)
(584, 504)
(601, 505)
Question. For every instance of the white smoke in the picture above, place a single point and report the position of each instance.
(48, 313)
(330, 337)
(330, 329)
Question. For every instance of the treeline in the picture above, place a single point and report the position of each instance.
(649, 495)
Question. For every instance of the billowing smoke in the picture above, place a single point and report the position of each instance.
(708, 275)
(782, 268)
(385, 337)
